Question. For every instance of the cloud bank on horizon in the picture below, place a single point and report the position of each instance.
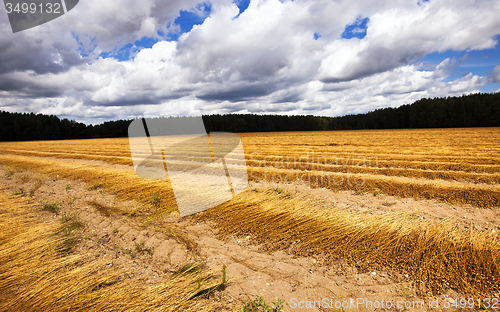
(123, 59)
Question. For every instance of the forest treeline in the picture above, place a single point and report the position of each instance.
(474, 110)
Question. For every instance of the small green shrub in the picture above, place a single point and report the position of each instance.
(223, 284)
(142, 248)
(51, 207)
(95, 186)
(187, 269)
(139, 248)
(9, 172)
(281, 192)
(156, 200)
(71, 224)
(259, 305)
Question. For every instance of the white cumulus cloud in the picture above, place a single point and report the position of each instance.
(265, 60)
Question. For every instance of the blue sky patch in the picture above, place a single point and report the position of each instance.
(84, 52)
(316, 36)
(121, 55)
(242, 5)
(146, 42)
(356, 29)
(491, 87)
(187, 20)
(129, 50)
(477, 62)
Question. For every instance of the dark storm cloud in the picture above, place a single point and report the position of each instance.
(142, 99)
(27, 89)
(293, 98)
(494, 75)
(26, 55)
(374, 60)
(20, 53)
(238, 93)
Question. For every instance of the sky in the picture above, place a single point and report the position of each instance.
(121, 59)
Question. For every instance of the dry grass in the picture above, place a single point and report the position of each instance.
(459, 166)
(468, 158)
(113, 151)
(36, 274)
(122, 182)
(483, 196)
(445, 171)
(439, 256)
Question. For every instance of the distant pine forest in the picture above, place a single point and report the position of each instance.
(474, 110)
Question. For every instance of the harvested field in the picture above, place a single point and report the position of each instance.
(38, 274)
(459, 166)
(447, 242)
